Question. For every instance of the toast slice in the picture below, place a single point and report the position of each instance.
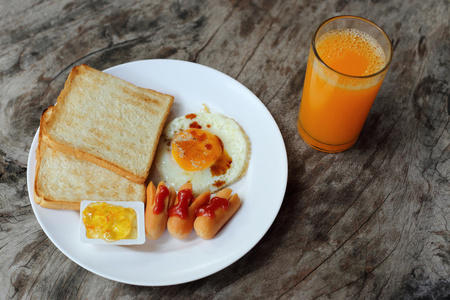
(107, 121)
(63, 181)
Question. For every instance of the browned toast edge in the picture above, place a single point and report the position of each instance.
(80, 154)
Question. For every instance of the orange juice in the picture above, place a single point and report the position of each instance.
(342, 79)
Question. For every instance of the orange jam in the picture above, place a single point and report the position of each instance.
(109, 222)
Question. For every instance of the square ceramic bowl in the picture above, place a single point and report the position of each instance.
(139, 209)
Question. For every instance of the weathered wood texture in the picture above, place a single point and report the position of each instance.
(369, 223)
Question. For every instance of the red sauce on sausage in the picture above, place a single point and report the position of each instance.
(209, 209)
(159, 199)
(181, 209)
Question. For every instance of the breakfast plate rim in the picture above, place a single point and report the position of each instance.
(239, 243)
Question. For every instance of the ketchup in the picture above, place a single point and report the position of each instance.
(159, 199)
(222, 164)
(195, 125)
(181, 209)
(209, 209)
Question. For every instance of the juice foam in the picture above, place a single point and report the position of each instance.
(351, 52)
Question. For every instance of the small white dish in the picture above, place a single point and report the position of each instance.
(138, 208)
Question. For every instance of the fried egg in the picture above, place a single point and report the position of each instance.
(208, 149)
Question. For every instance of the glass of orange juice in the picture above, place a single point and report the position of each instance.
(348, 60)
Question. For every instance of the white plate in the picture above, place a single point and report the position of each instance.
(168, 261)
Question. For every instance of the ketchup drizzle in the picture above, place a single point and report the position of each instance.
(195, 125)
(159, 199)
(209, 209)
(181, 209)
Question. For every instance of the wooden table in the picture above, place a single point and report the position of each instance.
(368, 223)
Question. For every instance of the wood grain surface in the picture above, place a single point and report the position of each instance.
(368, 223)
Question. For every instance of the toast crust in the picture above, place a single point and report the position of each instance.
(80, 154)
(48, 199)
(56, 204)
(62, 194)
(108, 98)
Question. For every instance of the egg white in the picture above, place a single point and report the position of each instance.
(234, 140)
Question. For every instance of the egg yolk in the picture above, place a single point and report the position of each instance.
(195, 149)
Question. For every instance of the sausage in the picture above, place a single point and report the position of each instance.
(211, 217)
(182, 213)
(159, 200)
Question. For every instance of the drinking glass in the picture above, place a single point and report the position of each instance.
(348, 60)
